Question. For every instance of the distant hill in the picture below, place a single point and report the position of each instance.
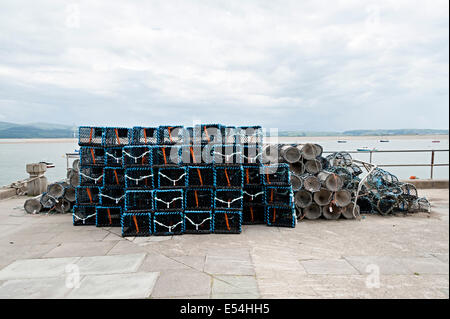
(35, 130)
(367, 132)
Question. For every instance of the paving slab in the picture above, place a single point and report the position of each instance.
(387, 265)
(41, 288)
(97, 248)
(196, 262)
(135, 285)
(36, 268)
(328, 267)
(425, 265)
(102, 265)
(442, 257)
(79, 236)
(175, 283)
(229, 266)
(158, 262)
(126, 247)
(230, 285)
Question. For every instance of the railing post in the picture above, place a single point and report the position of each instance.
(370, 160)
(432, 164)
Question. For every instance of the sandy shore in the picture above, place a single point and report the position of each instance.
(283, 139)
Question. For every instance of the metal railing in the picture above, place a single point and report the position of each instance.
(432, 164)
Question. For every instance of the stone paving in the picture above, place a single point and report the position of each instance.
(44, 256)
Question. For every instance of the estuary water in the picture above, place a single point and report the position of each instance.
(16, 153)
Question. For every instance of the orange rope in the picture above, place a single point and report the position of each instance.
(196, 198)
(206, 132)
(246, 174)
(251, 213)
(267, 175)
(164, 154)
(145, 136)
(136, 223)
(271, 195)
(89, 194)
(90, 136)
(228, 179)
(117, 177)
(198, 169)
(170, 134)
(226, 221)
(93, 155)
(117, 135)
(274, 215)
(109, 216)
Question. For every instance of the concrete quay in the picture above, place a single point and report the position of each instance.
(44, 256)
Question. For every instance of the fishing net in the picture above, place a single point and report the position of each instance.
(253, 214)
(172, 177)
(228, 176)
(199, 198)
(168, 223)
(170, 199)
(108, 216)
(138, 201)
(280, 216)
(111, 196)
(84, 215)
(200, 176)
(227, 222)
(198, 222)
(136, 224)
(90, 136)
(92, 156)
(228, 199)
(139, 177)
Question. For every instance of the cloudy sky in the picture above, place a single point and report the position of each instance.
(300, 64)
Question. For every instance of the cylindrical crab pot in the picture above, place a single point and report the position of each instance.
(297, 168)
(290, 153)
(311, 183)
(313, 166)
(311, 151)
(331, 181)
(296, 182)
(347, 212)
(342, 198)
(323, 197)
(56, 190)
(76, 164)
(69, 194)
(303, 198)
(331, 211)
(313, 211)
(32, 206)
(62, 206)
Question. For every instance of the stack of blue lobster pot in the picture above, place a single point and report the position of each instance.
(171, 180)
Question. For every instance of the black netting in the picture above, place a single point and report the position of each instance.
(253, 214)
(252, 175)
(90, 136)
(169, 199)
(87, 195)
(138, 200)
(365, 205)
(276, 174)
(168, 223)
(144, 135)
(280, 216)
(227, 222)
(113, 156)
(250, 135)
(116, 136)
(197, 222)
(108, 216)
(166, 155)
(136, 224)
(111, 196)
(199, 198)
(227, 154)
(196, 154)
(137, 156)
(84, 215)
(114, 176)
(231, 135)
(91, 176)
(139, 178)
(200, 176)
(253, 195)
(170, 135)
(228, 176)
(209, 134)
(92, 156)
(171, 176)
(251, 154)
(279, 196)
(228, 199)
